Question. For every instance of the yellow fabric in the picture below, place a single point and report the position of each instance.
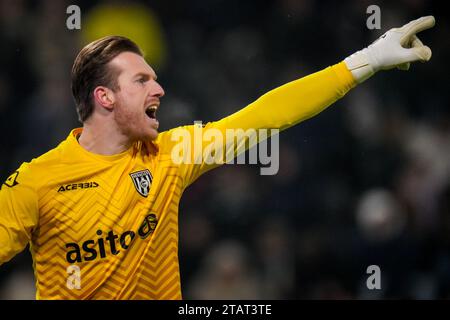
(79, 209)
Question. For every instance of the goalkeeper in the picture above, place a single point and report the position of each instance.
(100, 211)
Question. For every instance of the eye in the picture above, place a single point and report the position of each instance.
(142, 80)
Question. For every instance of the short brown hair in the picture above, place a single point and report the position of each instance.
(90, 70)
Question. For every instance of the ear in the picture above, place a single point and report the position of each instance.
(105, 97)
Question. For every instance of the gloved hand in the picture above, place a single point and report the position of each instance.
(396, 48)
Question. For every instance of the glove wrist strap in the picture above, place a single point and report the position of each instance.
(359, 65)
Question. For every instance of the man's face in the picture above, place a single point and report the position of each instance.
(137, 99)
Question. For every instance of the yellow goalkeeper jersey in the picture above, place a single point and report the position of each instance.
(106, 227)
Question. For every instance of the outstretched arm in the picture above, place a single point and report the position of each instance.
(299, 100)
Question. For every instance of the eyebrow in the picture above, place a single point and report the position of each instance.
(145, 76)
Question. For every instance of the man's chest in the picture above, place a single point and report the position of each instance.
(105, 205)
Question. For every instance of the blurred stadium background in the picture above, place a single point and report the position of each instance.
(366, 182)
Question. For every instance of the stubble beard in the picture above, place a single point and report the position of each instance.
(129, 123)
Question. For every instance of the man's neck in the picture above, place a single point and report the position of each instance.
(103, 140)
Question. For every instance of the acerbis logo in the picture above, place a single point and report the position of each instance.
(76, 186)
(90, 249)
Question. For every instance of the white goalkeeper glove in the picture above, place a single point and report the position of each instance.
(396, 48)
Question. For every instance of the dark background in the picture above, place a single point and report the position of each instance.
(366, 182)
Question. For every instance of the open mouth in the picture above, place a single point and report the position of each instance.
(151, 112)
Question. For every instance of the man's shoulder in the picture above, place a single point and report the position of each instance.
(172, 136)
(52, 157)
(45, 162)
(33, 173)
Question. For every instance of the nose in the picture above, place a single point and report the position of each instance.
(157, 90)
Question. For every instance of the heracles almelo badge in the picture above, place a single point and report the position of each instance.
(142, 181)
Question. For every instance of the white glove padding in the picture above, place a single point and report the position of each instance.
(396, 48)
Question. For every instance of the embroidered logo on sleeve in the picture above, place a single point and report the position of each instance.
(11, 181)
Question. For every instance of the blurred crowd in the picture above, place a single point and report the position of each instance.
(367, 182)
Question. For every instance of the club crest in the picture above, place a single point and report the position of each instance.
(142, 181)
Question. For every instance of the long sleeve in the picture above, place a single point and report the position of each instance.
(293, 102)
(279, 109)
(18, 213)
